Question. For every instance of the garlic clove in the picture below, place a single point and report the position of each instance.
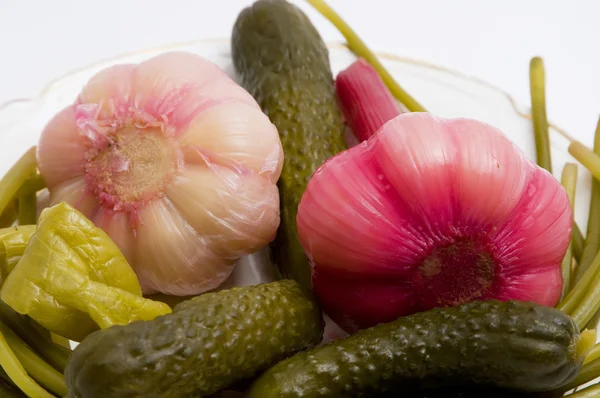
(170, 86)
(75, 192)
(241, 139)
(111, 89)
(349, 219)
(170, 255)
(61, 149)
(523, 243)
(120, 229)
(237, 214)
(416, 156)
(490, 174)
(540, 283)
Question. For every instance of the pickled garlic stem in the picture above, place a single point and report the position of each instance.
(586, 157)
(593, 354)
(16, 177)
(592, 237)
(43, 373)
(537, 83)
(17, 373)
(55, 355)
(574, 298)
(569, 182)
(357, 46)
(27, 210)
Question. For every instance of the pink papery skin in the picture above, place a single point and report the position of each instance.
(175, 161)
(432, 212)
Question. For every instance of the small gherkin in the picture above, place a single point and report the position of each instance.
(491, 344)
(207, 344)
(282, 61)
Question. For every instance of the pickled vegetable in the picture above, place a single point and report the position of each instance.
(283, 62)
(175, 162)
(511, 344)
(208, 343)
(467, 229)
(15, 240)
(72, 278)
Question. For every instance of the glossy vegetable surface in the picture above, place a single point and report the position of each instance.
(72, 278)
(295, 89)
(432, 212)
(207, 344)
(175, 162)
(501, 344)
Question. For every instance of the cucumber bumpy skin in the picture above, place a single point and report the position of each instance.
(282, 61)
(208, 343)
(513, 345)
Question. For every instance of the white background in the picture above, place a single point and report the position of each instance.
(492, 39)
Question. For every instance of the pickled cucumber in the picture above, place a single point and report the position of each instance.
(513, 345)
(283, 62)
(208, 343)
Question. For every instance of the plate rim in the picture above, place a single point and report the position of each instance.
(516, 105)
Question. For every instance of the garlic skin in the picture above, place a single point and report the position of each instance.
(175, 161)
(432, 212)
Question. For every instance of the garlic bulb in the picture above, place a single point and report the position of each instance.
(175, 161)
(432, 212)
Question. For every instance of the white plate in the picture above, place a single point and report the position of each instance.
(443, 92)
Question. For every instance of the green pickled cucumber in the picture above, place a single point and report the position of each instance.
(512, 345)
(208, 343)
(282, 61)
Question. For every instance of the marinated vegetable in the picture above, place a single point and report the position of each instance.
(208, 343)
(295, 89)
(432, 212)
(175, 162)
(14, 240)
(72, 278)
(510, 344)
(365, 100)
(35, 337)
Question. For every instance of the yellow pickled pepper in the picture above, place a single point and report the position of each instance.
(73, 278)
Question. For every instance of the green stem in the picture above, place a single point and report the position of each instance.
(33, 185)
(592, 236)
(27, 211)
(576, 295)
(56, 355)
(9, 215)
(4, 378)
(15, 240)
(586, 157)
(39, 370)
(16, 177)
(593, 354)
(358, 47)
(569, 182)
(16, 372)
(590, 302)
(578, 242)
(537, 85)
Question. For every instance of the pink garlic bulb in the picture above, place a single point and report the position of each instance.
(175, 161)
(431, 212)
